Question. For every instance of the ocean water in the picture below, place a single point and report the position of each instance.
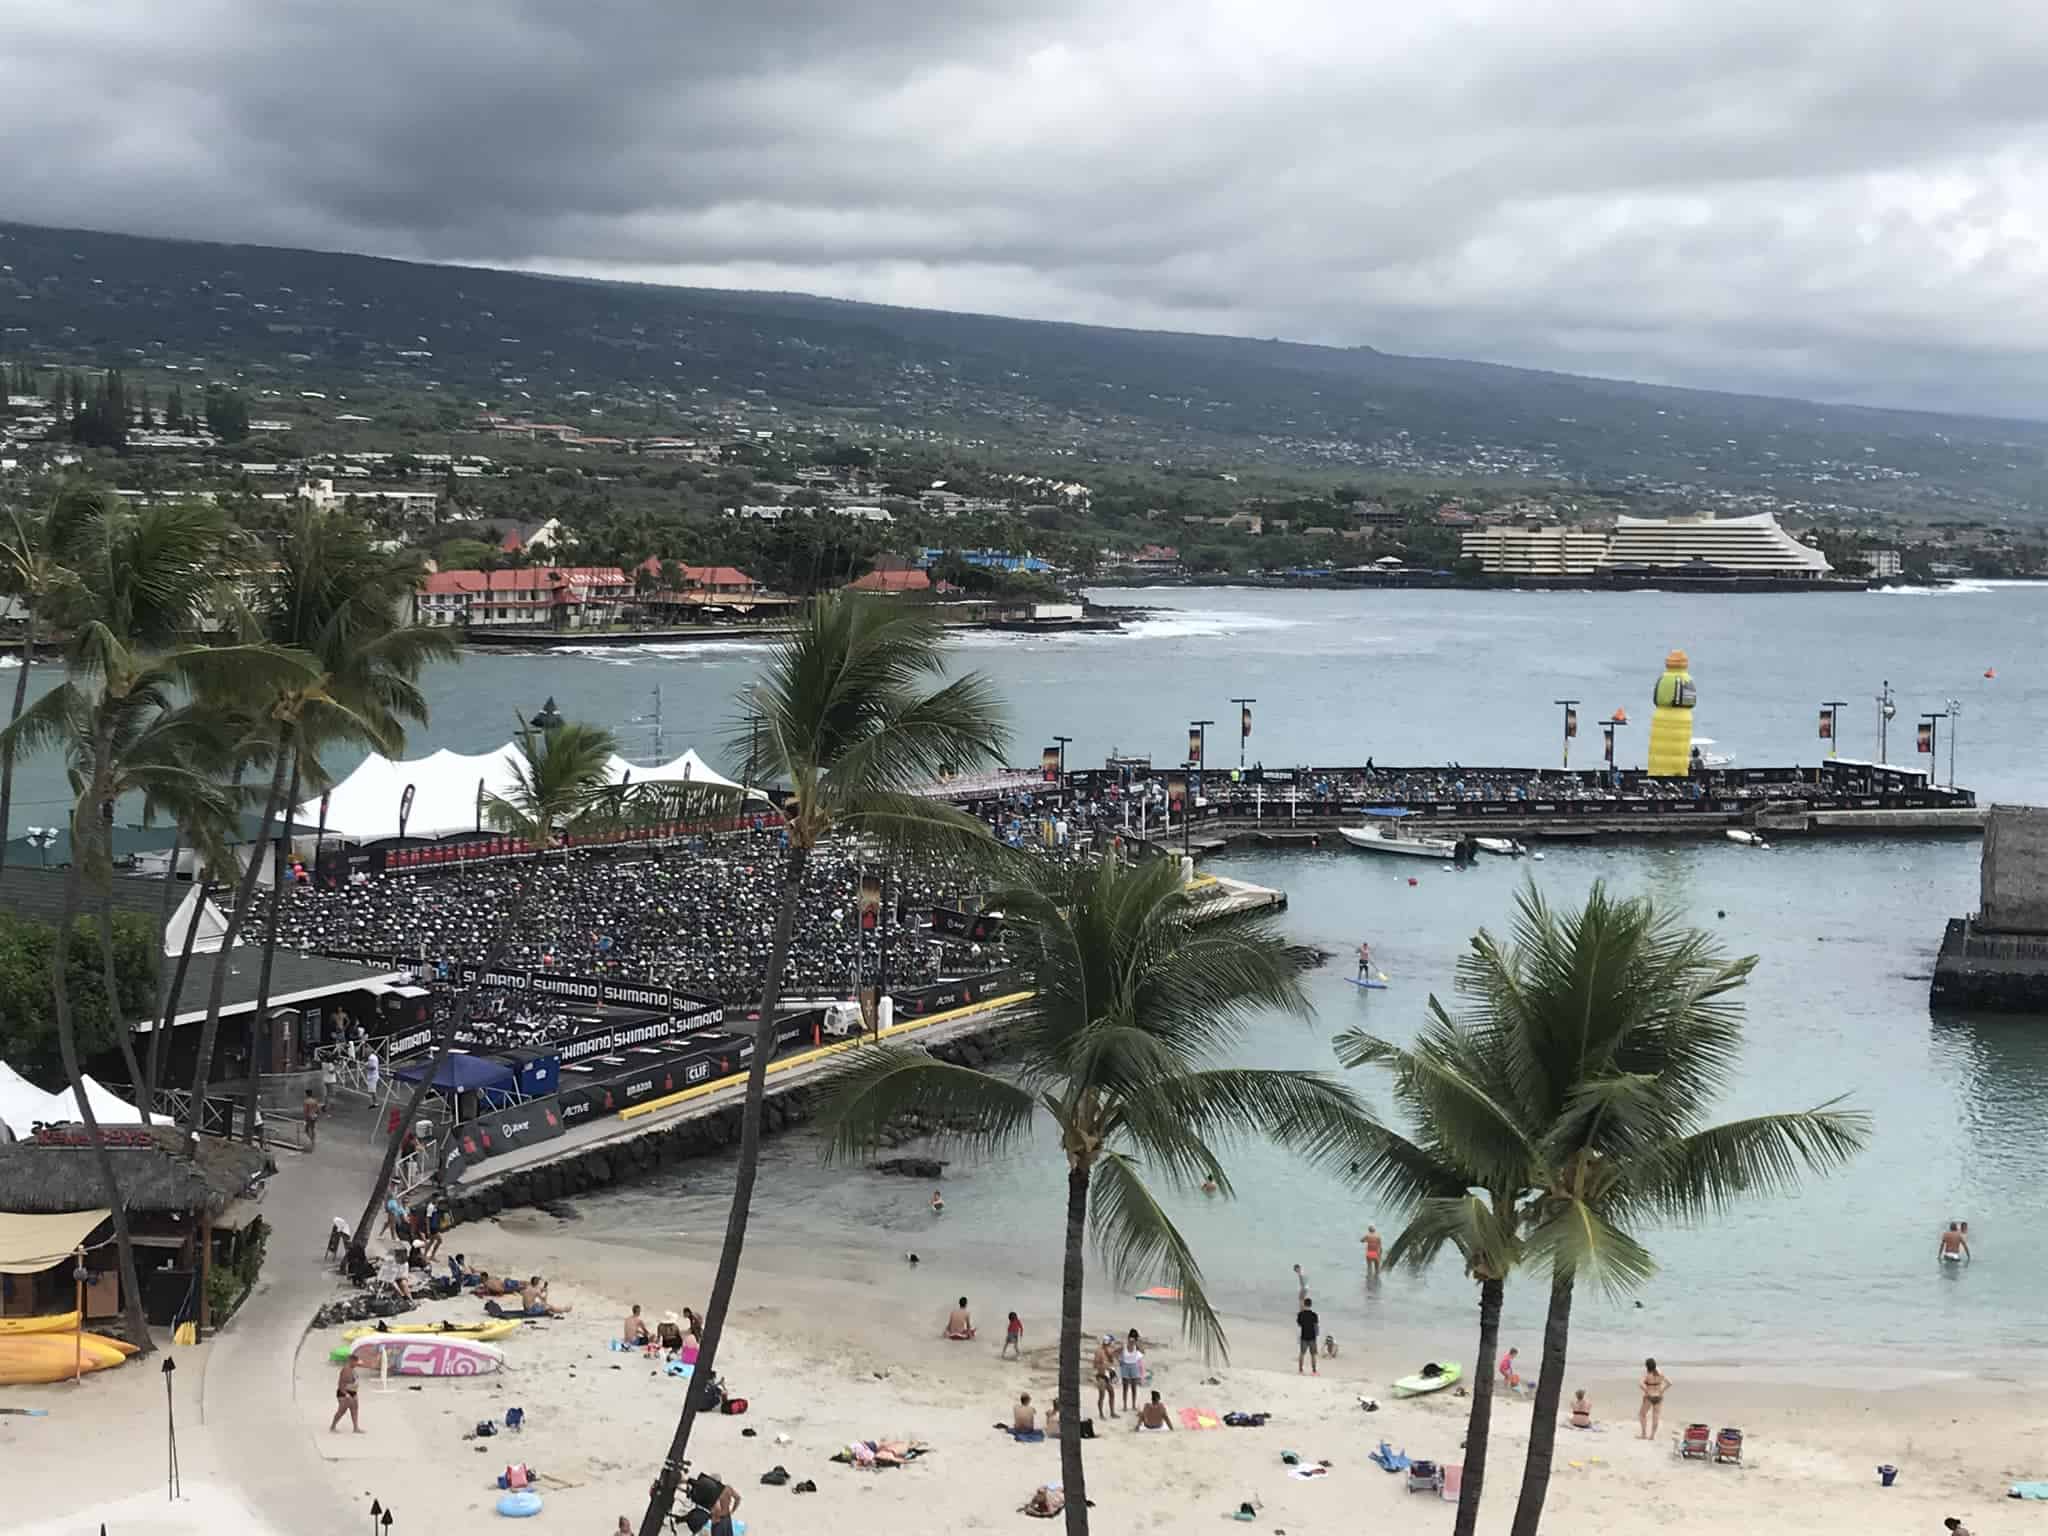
(1845, 933)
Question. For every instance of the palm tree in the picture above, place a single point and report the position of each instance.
(1576, 1084)
(336, 597)
(1616, 1028)
(33, 573)
(145, 579)
(563, 783)
(328, 595)
(842, 714)
(1136, 997)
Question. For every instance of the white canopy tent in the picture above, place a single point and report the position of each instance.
(22, 1104)
(213, 927)
(364, 806)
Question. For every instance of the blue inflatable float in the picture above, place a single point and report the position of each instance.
(518, 1506)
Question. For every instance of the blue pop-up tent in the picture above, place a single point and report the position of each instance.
(464, 1073)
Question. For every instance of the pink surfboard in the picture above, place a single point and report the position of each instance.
(410, 1355)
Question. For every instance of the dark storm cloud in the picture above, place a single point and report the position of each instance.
(1841, 197)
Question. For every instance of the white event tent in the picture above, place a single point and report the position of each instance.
(364, 806)
(22, 1104)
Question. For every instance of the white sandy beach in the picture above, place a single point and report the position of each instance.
(825, 1358)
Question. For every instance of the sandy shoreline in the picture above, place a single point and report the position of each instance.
(826, 1353)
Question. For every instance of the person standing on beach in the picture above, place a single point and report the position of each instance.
(310, 1110)
(1103, 1368)
(1130, 1365)
(346, 1398)
(1013, 1339)
(1311, 1328)
(1954, 1247)
(1372, 1252)
(1300, 1287)
(1650, 1415)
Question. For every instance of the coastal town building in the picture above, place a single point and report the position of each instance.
(1884, 562)
(541, 596)
(1737, 546)
(1555, 550)
(322, 494)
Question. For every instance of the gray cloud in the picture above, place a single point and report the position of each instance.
(1842, 198)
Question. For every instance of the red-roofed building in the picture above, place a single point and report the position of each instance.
(544, 596)
(893, 582)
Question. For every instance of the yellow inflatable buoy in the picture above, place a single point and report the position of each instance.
(1671, 723)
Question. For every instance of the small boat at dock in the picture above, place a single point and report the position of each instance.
(1385, 834)
(1504, 847)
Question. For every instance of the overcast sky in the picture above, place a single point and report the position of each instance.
(1819, 197)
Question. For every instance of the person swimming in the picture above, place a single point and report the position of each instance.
(938, 1202)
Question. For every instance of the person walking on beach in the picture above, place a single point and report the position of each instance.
(1103, 1368)
(310, 1110)
(1311, 1328)
(1013, 1339)
(1651, 1414)
(1954, 1247)
(1372, 1252)
(1130, 1366)
(346, 1398)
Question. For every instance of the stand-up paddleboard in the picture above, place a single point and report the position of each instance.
(1158, 1293)
(415, 1356)
(484, 1332)
(1414, 1386)
(1367, 982)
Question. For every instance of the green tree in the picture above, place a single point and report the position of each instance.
(841, 714)
(1135, 1000)
(33, 573)
(1586, 1061)
(28, 1024)
(561, 784)
(227, 414)
(147, 577)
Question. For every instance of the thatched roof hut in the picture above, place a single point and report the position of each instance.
(161, 1172)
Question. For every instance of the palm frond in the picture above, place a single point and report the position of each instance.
(1483, 1236)
(1138, 1240)
(1575, 1237)
(873, 1086)
(1708, 1171)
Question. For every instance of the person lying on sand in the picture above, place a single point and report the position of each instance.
(959, 1325)
(1045, 1502)
(1153, 1417)
(488, 1284)
(1024, 1417)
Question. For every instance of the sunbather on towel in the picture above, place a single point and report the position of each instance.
(1024, 1417)
(1153, 1418)
(1045, 1503)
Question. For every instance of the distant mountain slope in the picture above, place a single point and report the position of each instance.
(1132, 393)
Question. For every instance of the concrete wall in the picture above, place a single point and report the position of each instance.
(2014, 896)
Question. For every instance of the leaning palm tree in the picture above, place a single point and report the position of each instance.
(1138, 994)
(145, 579)
(844, 715)
(34, 574)
(329, 594)
(562, 784)
(1615, 1028)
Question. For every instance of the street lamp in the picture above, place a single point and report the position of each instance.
(1060, 789)
(1198, 751)
(1886, 711)
(1244, 727)
(1571, 725)
(1830, 721)
(1955, 713)
(1930, 743)
(1607, 730)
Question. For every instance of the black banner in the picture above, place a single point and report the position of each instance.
(919, 1001)
(974, 927)
(516, 1125)
(598, 991)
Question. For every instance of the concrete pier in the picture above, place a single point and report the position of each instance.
(1997, 958)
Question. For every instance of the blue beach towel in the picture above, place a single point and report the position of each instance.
(1390, 1460)
(1027, 1436)
(2027, 1491)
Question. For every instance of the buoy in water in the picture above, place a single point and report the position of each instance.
(1991, 671)
(1412, 880)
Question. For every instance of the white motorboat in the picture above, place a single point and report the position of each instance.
(1709, 758)
(1388, 838)
(1506, 847)
(1746, 837)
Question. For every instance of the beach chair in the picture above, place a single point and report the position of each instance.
(1696, 1443)
(1454, 1482)
(1425, 1477)
(1728, 1447)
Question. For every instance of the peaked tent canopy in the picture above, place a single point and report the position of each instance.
(213, 927)
(23, 1105)
(445, 790)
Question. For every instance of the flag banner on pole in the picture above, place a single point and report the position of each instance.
(1926, 735)
(1194, 743)
(1827, 725)
(870, 902)
(1609, 734)
(1571, 724)
(1049, 764)
(404, 809)
(1176, 791)
(1244, 723)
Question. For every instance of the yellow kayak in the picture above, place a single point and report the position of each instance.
(37, 1357)
(52, 1322)
(493, 1328)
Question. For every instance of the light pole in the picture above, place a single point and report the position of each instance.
(1886, 710)
(1244, 727)
(1955, 713)
(1060, 789)
(1930, 743)
(1607, 729)
(1571, 725)
(1198, 752)
(1830, 721)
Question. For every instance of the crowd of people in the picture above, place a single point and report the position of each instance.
(699, 920)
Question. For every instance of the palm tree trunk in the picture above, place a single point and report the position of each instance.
(67, 1047)
(727, 1278)
(1480, 1425)
(124, 1027)
(245, 897)
(28, 654)
(1557, 1328)
(259, 1022)
(169, 1009)
(1072, 1479)
(147, 1088)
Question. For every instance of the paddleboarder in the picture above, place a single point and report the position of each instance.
(1364, 960)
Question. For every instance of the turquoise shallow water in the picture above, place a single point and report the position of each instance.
(1845, 932)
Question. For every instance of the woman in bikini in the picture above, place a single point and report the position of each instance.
(1648, 1417)
(1104, 1369)
(1582, 1410)
(345, 1398)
